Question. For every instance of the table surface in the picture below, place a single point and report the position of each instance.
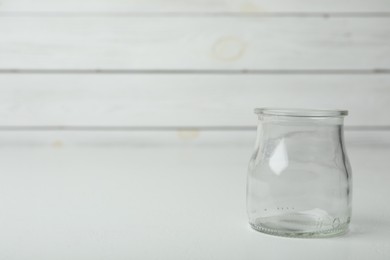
(165, 196)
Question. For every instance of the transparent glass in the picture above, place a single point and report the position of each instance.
(299, 178)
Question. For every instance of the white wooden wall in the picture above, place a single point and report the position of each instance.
(192, 63)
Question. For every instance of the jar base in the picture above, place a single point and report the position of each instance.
(300, 225)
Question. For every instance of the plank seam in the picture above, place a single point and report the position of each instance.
(162, 128)
(196, 71)
(195, 14)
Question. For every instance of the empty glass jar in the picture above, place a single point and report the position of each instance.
(299, 180)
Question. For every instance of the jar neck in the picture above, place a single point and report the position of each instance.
(301, 121)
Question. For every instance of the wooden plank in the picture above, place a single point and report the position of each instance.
(203, 6)
(178, 43)
(185, 100)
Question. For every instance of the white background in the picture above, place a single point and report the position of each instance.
(126, 126)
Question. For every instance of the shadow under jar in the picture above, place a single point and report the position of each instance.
(299, 179)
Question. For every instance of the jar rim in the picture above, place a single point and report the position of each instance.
(300, 112)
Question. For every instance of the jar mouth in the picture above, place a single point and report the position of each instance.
(300, 112)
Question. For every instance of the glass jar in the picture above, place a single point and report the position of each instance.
(299, 179)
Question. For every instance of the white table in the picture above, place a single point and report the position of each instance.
(165, 196)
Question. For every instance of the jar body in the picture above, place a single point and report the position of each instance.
(299, 178)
